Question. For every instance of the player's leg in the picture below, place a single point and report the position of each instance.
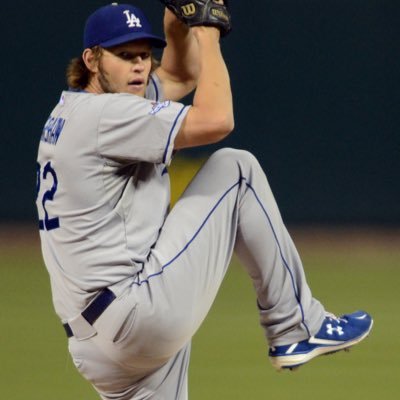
(229, 205)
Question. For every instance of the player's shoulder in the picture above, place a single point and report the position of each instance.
(98, 105)
(91, 102)
(81, 96)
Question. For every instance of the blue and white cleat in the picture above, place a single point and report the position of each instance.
(335, 334)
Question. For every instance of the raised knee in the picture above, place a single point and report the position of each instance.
(235, 156)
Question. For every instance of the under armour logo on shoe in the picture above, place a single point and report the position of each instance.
(132, 20)
(330, 329)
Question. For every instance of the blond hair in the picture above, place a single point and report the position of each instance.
(78, 75)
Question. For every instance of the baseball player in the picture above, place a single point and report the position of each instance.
(132, 281)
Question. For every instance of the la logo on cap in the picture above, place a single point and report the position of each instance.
(116, 24)
(132, 20)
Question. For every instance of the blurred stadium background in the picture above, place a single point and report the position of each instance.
(316, 88)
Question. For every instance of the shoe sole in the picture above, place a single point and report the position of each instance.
(296, 360)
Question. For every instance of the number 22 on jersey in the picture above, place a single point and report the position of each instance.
(48, 175)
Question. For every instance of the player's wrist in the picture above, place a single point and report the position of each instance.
(202, 33)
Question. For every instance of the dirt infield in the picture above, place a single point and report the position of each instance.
(19, 234)
(305, 237)
(379, 238)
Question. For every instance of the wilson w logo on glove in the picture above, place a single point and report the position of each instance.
(188, 9)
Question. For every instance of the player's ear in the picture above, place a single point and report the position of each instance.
(90, 60)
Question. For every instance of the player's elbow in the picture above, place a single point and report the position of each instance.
(201, 128)
(223, 126)
(217, 127)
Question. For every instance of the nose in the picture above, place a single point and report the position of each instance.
(138, 64)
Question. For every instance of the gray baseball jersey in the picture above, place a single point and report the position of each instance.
(103, 195)
(103, 190)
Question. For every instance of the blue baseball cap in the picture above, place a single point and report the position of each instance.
(116, 24)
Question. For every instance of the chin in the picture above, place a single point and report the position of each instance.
(136, 92)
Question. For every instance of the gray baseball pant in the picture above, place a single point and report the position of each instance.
(142, 343)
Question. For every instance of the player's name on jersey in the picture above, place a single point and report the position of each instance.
(52, 130)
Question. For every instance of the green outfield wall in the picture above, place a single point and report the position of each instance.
(316, 86)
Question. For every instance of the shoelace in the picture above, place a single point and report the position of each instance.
(333, 317)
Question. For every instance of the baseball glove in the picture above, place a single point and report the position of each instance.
(202, 12)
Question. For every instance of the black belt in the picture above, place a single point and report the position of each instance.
(94, 309)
